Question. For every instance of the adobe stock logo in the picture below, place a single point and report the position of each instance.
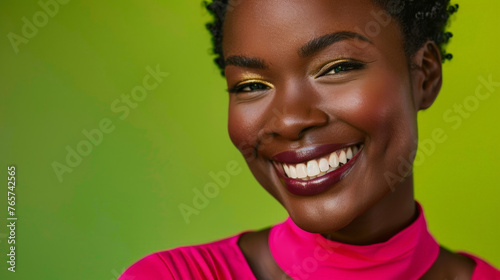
(210, 190)
(456, 116)
(40, 19)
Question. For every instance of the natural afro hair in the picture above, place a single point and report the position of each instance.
(419, 20)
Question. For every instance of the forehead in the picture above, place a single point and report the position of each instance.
(262, 27)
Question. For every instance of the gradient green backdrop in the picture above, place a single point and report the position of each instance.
(121, 202)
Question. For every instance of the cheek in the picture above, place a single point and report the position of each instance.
(238, 130)
(384, 114)
(385, 111)
(380, 106)
(243, 128)
(244, 124)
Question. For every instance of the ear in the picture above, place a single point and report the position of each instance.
(427, 75)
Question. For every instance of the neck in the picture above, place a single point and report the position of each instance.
(386, 218)
(407, 254)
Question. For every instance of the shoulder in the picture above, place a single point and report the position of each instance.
(482, 270)
(450, 265)
(149, 267)
(217, 260)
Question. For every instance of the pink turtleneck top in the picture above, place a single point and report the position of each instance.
(303, 255)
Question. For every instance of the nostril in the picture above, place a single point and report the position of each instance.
(295, 126)
(303, 131)
(293, 114)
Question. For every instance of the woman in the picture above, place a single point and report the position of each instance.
(324, 97)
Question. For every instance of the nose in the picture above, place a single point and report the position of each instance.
(294, 111)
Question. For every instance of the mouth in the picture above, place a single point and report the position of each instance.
(314, 170)
(318, 167)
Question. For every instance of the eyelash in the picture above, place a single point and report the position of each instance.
(338, 68)
(239, 88)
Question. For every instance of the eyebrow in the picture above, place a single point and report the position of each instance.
(246, 62)
(320, 43)
(313, 46)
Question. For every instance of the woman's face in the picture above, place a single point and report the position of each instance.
(312, 84)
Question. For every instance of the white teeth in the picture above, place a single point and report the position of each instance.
(333, 160)
(287, 170)
(293, 172)
(323, 165)
(312, 168)
(301, 170)
(319, 167)
(355, 150)
(349, 153)
(343, 157)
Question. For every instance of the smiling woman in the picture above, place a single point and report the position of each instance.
(323, 104)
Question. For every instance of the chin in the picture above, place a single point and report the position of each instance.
(320, 223)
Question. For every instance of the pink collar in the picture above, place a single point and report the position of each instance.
(303, 255)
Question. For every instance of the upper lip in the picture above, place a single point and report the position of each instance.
(309, 153)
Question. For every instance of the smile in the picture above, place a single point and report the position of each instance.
(320, 166)
(314, 170)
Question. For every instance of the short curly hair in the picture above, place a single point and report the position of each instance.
(420, 20)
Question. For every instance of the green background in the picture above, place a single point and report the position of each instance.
(121, 202)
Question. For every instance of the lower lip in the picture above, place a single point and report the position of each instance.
(316, 185)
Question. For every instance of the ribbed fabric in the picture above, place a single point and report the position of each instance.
(305, 255)
(407, 255)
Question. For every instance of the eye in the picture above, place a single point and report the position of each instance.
(341, 67)
(250, 86)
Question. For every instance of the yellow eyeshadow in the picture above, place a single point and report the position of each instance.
(328, 65)
(250, 81)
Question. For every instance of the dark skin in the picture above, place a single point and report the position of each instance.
(290, 93)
